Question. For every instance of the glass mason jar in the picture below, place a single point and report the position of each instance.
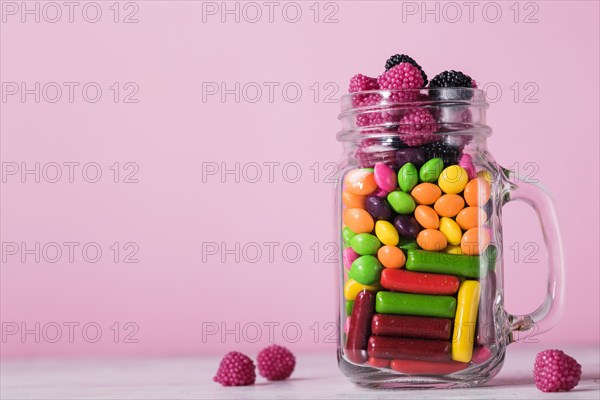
(418, 210)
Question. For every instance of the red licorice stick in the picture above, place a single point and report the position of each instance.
(378, 362)
(427, 367)
(411, 326)
(414, 349)
(405, 281)
(360, 327)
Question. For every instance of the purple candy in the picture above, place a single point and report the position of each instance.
(411, 155)
(348, 257)
(379, 208)
(407, 226)
(385, 177)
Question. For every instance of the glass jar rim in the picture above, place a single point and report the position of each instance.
(415, 97)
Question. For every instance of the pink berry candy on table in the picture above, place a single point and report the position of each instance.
(275, 363)
(236, 369)
(554, 371)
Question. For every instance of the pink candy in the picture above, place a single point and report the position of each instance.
(385, 177)
(467, 163)
(348, 256)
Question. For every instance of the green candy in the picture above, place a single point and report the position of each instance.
(347, 235)
(425, 305)
(366, 270)
(365, 243)
(431, 170)
(453, 264)
(349, 305)
(401, 202)
(408, 177)
(408, 243)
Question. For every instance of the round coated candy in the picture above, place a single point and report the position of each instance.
(431, 170)
(427, 217)
(408, 177)
(407, 226)
(449, 205)
(471, 217)
(366, 270)
(352, 200)
(386, 232)
(453, 179)
(426, 193)
(391, 257)
(451, 230)
(352, 288)
(378, 207)
(432, 240)
(347, 234)
(365, 243)
(401, 202)
(385, 177)
(477, 192)
(410, 155)
(358, 220)
(348, 257)
(474, 241)
(452, 249)
(360, 181)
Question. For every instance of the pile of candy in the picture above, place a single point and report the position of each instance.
(416, 248)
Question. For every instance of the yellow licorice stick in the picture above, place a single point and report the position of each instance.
(465, 319)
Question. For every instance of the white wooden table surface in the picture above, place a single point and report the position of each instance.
(316, 377)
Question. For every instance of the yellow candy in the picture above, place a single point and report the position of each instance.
(467, 303)
(352, 288)
(452, 249)
(485, 174)
(451, 230)
(386, 233)
(453, 179)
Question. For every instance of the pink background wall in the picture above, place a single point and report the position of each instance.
(170, 296)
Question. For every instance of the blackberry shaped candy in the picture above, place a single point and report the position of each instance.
(401, 58)
(449, 154)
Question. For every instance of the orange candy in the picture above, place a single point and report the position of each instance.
(477, 192)
(449, 205)
(426, 193)
(360, 181)
(427, 217)
(474, 241)
(432, 240)
(391, 256)
(352, 200)
(471, 217)
(358, 220)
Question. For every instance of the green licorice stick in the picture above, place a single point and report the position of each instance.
(415, 304)
(444, 263)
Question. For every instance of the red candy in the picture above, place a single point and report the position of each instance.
(360, 327)
(411, 326)
(414, 349)
(402, 280)
(414, 367)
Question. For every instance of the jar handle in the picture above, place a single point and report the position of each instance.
(550, 311)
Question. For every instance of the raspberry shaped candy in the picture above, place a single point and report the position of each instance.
(276, 363)
(402, 76)
(400, 58)
(236, 369)
(418, 127)
(554, 371)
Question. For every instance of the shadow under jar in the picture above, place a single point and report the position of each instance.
(418, 211)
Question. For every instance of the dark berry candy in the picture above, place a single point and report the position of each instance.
(448, 154)
(454, 80)
(400, 58)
